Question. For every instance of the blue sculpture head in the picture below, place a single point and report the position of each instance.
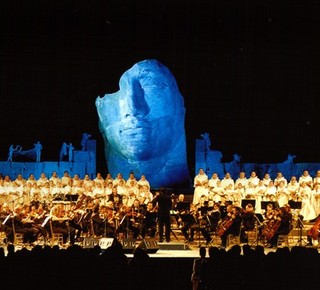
(143, 125)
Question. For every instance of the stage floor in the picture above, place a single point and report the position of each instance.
(177, 248)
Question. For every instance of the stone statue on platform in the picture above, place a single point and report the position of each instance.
(206, 138)
(37, 150)
(13, 150)
(143, 126)
(66, 150)
(84, 141)
(70, 152)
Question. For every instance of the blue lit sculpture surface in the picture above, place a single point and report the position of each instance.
(143, 126)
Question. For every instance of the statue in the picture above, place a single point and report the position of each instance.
(37, 150)
(213, 158)
(207, 141)
(66, 150)
(63, 151)
(70, 152)
(143, 126)
(289, 159)
(13, 150)
(84, 141)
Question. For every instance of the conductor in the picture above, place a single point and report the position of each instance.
(163, 203)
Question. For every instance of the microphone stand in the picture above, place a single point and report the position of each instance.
(257, 224)
(301, 240)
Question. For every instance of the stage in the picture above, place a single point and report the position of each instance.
(177, 248)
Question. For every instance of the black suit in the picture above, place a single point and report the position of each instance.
(164, 220)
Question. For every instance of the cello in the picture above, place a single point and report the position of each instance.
(314, 231)
(270, 229)
(224, 225)
(272, 226)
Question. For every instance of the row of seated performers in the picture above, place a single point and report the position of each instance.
(214, 219)
(90, 217)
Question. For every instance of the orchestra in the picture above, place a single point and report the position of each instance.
(98, 209)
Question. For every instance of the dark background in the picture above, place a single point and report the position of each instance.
(249, 71)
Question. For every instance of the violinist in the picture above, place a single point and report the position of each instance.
(190, 223)
(75, 216)
(180, 209)
(136, 217)
(102, 221)
(5, 219)
(149, 221)
(60, 223)
(20, 220)
(214, 215)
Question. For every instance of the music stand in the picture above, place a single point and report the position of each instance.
(245, 202)
(182, 205)
(297, 205)
(265, 203)
(71, 197)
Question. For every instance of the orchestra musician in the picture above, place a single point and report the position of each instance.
(190, 223)
(214, 216)
(103, 221)
(282, 225)
(21, 225)
(136, 218)
(85, 219)
(180, 208)
(248, 222)
(204, 221)
(231, 224)
(6, 215)
(60, 223)
(149, 221)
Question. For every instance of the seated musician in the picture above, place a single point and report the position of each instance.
(248, 222)
(6, 222)
(33, 220)
(284, 215)
(102, 221)
(204, 221)
(149, 221)
(180, 208)
(214, 215)
(123, 217)
(60, 223)
(190, 223)
(21, 226)
(230, 225)
(75, 216)
(136, 218)
(85, 220)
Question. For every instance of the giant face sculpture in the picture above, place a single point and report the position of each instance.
(143, 125)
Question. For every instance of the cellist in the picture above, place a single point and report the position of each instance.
(313, 233)
(230, 225)
(282, 226)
